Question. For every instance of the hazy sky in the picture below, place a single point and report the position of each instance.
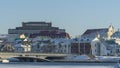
(73, 15)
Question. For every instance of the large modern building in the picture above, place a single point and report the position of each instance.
(34, 29)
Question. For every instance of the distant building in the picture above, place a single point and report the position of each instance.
(116, 34)
(34, 29)
(90, 42)
(111, 46)
(40, 44)
(98, 48)
(62, 45)
(89, 46)
(103, 32)
(22, 44)
(6, 47)
(81, 46)
(22, 48)
(48, 45)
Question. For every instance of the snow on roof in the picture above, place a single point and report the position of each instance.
(3, 36)
(36, 39)
(42, 44)
(18, 45)
(55, 41)
(64, 41)
(35, 43)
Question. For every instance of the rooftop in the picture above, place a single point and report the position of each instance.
(89, 31)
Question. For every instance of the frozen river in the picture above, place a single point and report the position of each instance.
(56, 65)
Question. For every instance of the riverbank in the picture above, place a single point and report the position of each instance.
(63, 61)
(55, 65)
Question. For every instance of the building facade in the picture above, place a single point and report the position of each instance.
(81, 46)
(103, 32)
(34, 29)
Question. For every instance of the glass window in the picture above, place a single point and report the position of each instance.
(87, 39)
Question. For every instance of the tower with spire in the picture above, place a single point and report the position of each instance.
(110, 31)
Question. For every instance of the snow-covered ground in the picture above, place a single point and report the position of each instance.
(78, 58)
(97, 58)
(107, 58)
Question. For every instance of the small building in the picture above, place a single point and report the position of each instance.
(22, 48)
(40, 43)
(98, 48)
(22, 44)
(6, 47)
(110, 46)
(62, 45)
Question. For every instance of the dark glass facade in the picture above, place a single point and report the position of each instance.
(80, 48)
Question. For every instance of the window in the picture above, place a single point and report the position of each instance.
(81, 40)
(87, 39)
(117, 50)
(95, 50)
(110, 51)
(95, 45)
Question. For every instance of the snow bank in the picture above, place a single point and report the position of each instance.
(78, 58)
(81, 57)
(107, 58)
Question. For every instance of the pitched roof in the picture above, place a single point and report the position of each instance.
(116, 34)
(89, 31)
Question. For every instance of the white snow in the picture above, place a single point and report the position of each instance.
(78, 58)
(64, 41)
(18, 45)
(107, 58)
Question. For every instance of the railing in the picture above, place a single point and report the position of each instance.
(8, 54)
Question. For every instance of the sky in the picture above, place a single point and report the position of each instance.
(76, 16)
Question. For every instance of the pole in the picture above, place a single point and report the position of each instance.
(67, 46)
(79, 37)
(79, 46)
(84, 48)
(115, 50)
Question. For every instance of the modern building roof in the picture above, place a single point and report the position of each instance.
(35, 22)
